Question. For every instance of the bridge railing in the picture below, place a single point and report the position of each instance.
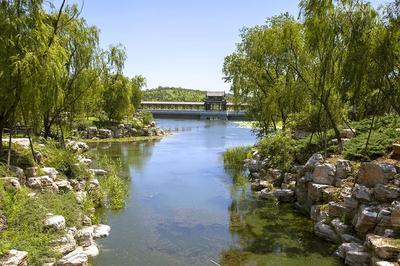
(200, 106)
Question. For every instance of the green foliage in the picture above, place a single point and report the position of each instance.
(64, 160)
(338, 62)
(147, 118)
(117, 98)
(172, 94)
(113, 187)
(279, 149)
(384, 134)
(234, 157)
(26, 215)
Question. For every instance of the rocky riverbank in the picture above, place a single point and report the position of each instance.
(71, 245)
(355, 205)
(120, 131)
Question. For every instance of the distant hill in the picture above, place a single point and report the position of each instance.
(173, 94)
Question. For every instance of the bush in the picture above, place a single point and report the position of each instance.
(113, 187)
(384, 134)
(64, 160)
(279, 149)
(147, 118)
(234, 157)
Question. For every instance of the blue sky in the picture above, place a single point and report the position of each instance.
(180, 42)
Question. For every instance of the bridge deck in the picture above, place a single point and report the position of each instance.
(199, 114)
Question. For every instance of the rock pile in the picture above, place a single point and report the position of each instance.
(76, 246)
(120, 131)
(358, 210)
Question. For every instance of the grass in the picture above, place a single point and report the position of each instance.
(126, 139)
(113, 187)
(234, 157)
(25, 217)
(64, 160)
(26, 214)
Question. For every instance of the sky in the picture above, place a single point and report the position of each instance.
(180, 43)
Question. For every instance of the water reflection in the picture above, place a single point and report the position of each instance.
(185, 209)
(270, 233)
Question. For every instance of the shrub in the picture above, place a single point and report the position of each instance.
(113, 187)
(280, 150)
(147, 118)
(64, 160)
(382, 137)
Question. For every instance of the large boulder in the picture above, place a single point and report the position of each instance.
(314, 160)
(91, 251)
(11, 183)
(384, 248)
(101, 230)
(357, 258)
(80, 196)
(318, 213)
(384, 193)
(343, 168)
(371, 174)
(104, 133)
(315, 191)
(64, 244)
(91, 132)
(50, 171)
(346, 247)
(284, 195)
(324, 174)
(85, 237)
(77, 146)
(98, 172)
(56, 222)
(42, 182)
(326, 232)
(384, 221)
(340, 227)
(362, 193)
(395, 215)
(64, 185)
(337, 209)
(31, 171)
(75, 258)
(365, 220)
(14, 258)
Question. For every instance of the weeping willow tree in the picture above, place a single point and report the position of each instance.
(27, 41)
(53, 70)
(260, 73)
(338, 61)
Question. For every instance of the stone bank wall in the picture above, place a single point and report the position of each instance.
(359, 209)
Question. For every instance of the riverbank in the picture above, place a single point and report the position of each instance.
(126, 139)
(48, 203)
(353, 203)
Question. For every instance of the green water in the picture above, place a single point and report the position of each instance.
(185, 209)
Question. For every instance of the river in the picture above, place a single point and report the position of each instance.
(184, 208)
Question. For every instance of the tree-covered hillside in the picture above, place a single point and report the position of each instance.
(172, 94)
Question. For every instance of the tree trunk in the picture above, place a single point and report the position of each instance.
(2, 123)
(369, 134)
(46, 127)
(334, 126)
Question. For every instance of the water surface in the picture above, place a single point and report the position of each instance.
(185, 209)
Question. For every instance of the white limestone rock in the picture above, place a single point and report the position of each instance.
(56, 222)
